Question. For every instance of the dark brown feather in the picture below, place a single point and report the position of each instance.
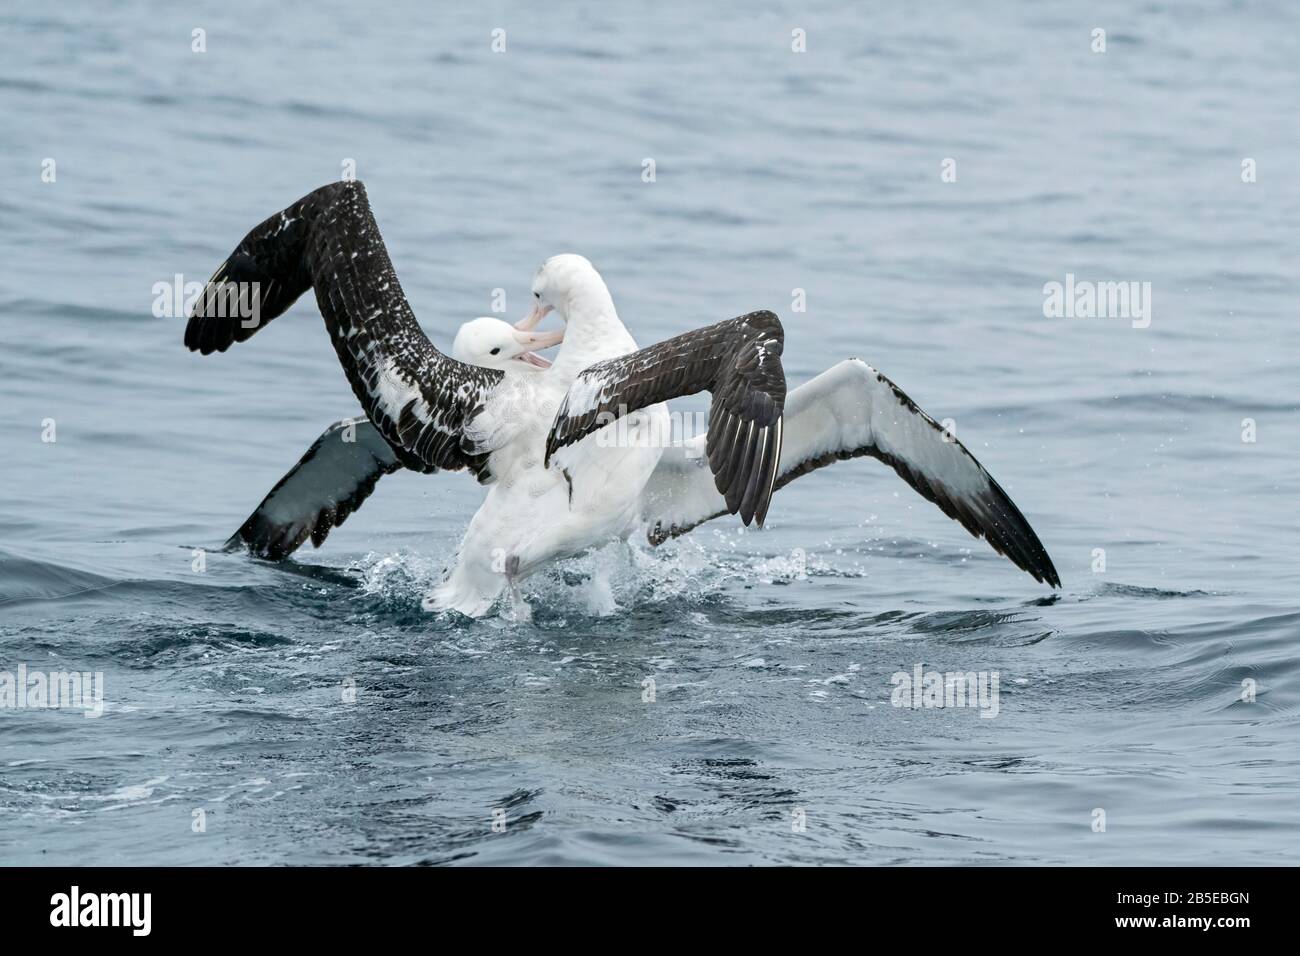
(738, 361)
(329, 241)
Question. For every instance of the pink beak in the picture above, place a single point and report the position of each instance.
(531, 320)
(538, 340)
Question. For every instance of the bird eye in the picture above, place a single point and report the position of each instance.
(496, 350)
(537, 295)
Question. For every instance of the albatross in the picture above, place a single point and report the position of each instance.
(531, 432)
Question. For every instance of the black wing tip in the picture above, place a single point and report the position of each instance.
(765, 317)
(745, 475)
(259, 260)
(1048, 572)
(341, 187)
(205, 335)
(1044, 566)
(1022, 547)
(1043, 575)
(1026, 551)
(263, 542)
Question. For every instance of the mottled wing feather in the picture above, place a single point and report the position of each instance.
(853, 411)
(258, 282)
(419, 399)
(318, 494)
(738, 361)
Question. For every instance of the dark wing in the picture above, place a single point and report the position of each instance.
(851, 411)
(330, 482)
(418, 398)
(738, 361)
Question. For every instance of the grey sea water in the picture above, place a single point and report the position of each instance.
(771, 653)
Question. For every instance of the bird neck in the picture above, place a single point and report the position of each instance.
(593, 331)
(587, 296)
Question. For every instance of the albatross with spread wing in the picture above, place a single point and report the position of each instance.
(531, 434)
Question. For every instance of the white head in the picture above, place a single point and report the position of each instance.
(565, 283)
(497, 344)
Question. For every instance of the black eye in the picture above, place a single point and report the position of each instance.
(537, 295)
(496, 350)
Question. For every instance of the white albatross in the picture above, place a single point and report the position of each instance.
(528, 432)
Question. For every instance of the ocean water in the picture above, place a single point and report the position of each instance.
(313, 713)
